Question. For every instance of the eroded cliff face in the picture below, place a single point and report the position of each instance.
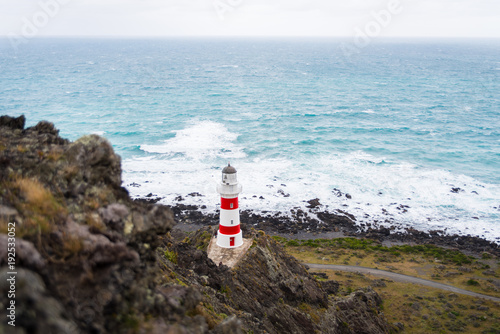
(91, 260)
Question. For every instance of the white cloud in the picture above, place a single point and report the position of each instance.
(253, 17)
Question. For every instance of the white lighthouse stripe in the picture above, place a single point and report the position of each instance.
(225, 240)
(229, 191)
(229, 217)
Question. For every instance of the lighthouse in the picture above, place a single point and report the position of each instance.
(229, 234)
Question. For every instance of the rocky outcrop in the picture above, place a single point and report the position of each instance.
(85, 247)
(91, 260)
(269, 291)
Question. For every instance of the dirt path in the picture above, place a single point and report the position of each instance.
(399, 278)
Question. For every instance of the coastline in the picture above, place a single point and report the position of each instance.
(315, 223)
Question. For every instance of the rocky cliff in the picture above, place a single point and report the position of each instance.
(91, 260)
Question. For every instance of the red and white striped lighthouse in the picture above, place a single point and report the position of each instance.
(229, 234)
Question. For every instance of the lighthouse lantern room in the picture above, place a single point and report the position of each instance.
(229, 234)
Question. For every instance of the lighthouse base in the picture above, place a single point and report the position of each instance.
(229, 241)
(227, 256)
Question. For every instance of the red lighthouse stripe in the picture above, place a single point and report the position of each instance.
(229, 203)
(229, 230)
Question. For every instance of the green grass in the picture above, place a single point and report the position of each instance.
(171, 256)
(438, 253)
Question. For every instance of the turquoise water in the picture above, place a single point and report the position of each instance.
(402, 122)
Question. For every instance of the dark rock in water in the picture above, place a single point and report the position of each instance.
(148, 200)
(15, 123)
(456, 190)
(313, 203)
(281, 192)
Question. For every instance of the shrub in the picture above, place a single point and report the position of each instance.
(472, 282)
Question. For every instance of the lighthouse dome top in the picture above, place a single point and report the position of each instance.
(229, 169)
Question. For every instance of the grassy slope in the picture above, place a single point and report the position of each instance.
(420, 309)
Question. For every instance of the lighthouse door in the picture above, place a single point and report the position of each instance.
(231, 241)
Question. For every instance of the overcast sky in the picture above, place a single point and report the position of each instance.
(453, 18)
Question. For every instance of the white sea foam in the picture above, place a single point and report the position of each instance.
(192, 161)
(201, 140)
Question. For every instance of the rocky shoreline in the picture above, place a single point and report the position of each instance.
(315, 223)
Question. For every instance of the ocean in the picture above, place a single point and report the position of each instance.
(404, 132)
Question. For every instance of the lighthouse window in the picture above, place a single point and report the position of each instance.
(232, 222)
(231, 205)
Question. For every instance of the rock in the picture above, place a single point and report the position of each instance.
(489, 273)
(378, 283)
(313, 203)
(114, 215)
(96, 152)
(26, 253)
(231, 325)
(330, 287)
(399, 325)
(35, 308)
(99, 249)
(416, 306)
(8, 214)
(181, 298)
(363, 302)
(15, 123)
(44, 127)
(319, 275)
(281, 192)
